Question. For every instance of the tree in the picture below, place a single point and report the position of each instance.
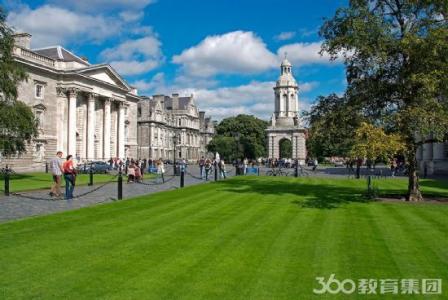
(17, 122)
(373, 143)
(332, 124)
(396, 54)
(240, 136)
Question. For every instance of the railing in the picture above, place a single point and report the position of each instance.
(34, 56)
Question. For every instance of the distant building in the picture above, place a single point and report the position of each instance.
(285, 122)
(167, 124)
(432, 157)
(87, 110)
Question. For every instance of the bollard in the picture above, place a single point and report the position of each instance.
(91, 175)
(120, 185)
(296, 169)
(216, 171)
(182, 177)
(369, 184)
(46, 167)
(7, 181)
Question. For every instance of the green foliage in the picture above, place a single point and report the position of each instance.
(374, 144)
(396, 53)
(285, 148)
(11, 72)
(17, 123)
(239, 137)
(332, 124)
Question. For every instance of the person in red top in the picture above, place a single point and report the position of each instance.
(69, 176)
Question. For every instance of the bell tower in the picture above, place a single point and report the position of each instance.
(285, 123)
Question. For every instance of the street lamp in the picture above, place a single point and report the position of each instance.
(175, 139)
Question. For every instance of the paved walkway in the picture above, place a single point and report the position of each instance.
(40, 203)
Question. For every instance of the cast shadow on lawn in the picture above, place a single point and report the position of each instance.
(322, 196)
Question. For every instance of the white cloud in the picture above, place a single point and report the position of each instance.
(52, 25)
(134, 57)
(234, 52)
(305, 53)
(284, 36)
(157, 81)
(95, 5)
(255, 98)
(131, 16)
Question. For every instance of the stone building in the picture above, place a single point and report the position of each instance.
(166, 123)
(432, 158)
(83, 109)
(285, 123)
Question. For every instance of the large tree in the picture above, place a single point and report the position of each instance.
(239, 137)
(396, 53)
(17, 122)
(332, 125)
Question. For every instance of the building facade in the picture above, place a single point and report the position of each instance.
(82, 109)
(171, 127)
(432, 158)
(285, 122)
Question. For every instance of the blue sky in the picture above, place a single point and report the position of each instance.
(225, 52)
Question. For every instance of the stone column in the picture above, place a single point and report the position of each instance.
(71, 130)
(106, 129)
(91, 126)
(121, 120)
(438, 151)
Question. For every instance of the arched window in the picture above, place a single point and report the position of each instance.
(285, 103)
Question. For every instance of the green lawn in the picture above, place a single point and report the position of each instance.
(41, 180)
(244, 238)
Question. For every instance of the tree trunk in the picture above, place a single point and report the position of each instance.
(414, 193)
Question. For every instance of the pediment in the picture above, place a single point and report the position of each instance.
(40, 106)
(107, 74)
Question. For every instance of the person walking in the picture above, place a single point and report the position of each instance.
(202, 167)
(222, 168)
(69, 170)
(208, 168)
(56, 171)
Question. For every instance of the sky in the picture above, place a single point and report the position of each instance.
(227, 53)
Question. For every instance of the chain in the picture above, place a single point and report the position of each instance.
(75, 197)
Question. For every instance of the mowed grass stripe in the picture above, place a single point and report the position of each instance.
(244, 250)
(244, 238)
(105, 244)
(411, 257)
(195, 248)
(424, 236)
(158, 248)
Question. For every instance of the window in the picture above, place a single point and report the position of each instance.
(39, 114)
(39, 91)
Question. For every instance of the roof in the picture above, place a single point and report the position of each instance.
(286, 63)
(60, 53)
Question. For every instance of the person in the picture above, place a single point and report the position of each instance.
(393, 166)
(131, 172)
(315, 164)
(56, 171)
(160, 170)
(69, 170)
(208, 168)
(245, 162)
(201, 167)
(137, 173)
(222, 168)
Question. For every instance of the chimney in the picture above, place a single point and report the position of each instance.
(175, 101)
(22, 40)
(202, 115)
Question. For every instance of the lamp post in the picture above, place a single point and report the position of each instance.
(175, 138)
(236, 136)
